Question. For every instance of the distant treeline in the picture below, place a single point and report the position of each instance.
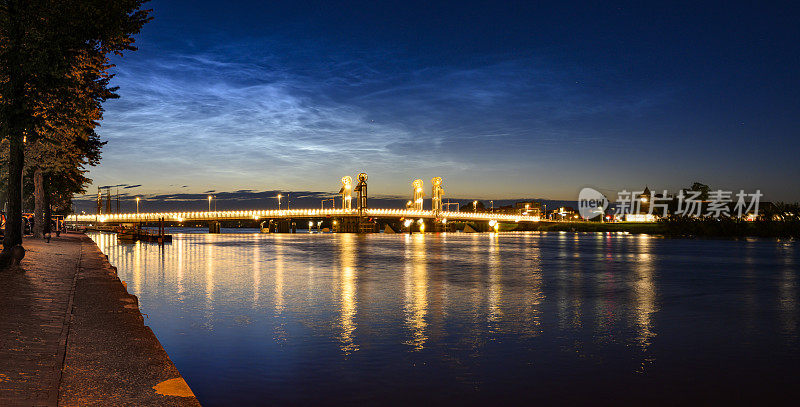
(780, 220)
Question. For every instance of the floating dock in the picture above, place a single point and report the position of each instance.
(135, 235)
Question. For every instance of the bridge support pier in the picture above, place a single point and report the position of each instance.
(214, 227)
(365, 226)
(281, 226)
(345, 225)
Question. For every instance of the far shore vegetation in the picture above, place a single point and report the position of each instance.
(779, 221)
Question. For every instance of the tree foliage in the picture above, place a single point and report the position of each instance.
(54, 77)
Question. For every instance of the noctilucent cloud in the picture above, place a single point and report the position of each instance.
(501, 100)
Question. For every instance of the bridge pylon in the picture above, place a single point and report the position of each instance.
(364, 225)
(418, 194)
(361, 188)
(347, 193)
(437, 193)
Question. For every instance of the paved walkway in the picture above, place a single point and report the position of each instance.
(71, 335)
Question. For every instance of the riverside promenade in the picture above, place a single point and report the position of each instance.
(71, 335)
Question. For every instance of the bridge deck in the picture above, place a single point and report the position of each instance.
(295, 214)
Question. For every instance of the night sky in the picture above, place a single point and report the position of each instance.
(501, 100)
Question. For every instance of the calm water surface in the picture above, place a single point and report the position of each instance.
(322, 319)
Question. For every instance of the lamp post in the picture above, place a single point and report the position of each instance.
(209, 203)
(279, 201)
(22, 184)
(492, 202)
(137, 205)
(475, 206)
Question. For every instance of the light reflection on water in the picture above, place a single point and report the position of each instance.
(324, 319)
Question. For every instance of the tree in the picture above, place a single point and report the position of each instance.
(703, 188)
(472, 206)
(66, 138)
(56, 171)
(54, 61)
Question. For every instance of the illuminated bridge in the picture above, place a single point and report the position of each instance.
(297, 214)
(345, 219)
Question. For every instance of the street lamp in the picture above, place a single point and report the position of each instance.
(279, 201)
(475, 206)
(209, 203)
(137, 205)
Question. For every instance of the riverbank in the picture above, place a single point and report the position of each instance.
(72, 335)
(630, 227)
(683, 228)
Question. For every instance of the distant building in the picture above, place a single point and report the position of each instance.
(565, 213)
(644, 201)
(639, 217)
(658, 203)
(530, 208)
(521, 208)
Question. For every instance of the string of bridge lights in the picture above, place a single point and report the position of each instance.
(413, 209)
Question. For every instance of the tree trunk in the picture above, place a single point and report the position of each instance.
(13, 233)
(15, 115)
(48, 218)
(38, 207)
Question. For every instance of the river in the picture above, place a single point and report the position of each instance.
(326, 319)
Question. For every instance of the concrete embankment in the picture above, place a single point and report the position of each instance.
(71, 334)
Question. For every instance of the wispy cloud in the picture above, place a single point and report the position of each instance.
(247, 115)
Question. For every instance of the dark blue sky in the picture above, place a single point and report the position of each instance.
(501, 100)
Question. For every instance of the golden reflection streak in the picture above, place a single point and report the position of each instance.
(570, 287)
(533, 272)
(347, 287)
(209, 276)
(209, 280)
(416, 278)
(279, 266)
(750, 299)
(576, 278)
(180, 248)
(788, 292)
(137, 268)
(495, 286)
(562, 291)
(606, 306)
(645, 293)
(256, 270)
